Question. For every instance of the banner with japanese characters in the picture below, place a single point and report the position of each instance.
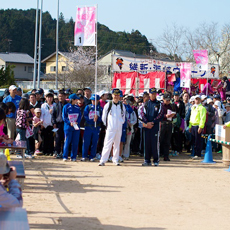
(143, 66)
(185, 75)
(85, 27)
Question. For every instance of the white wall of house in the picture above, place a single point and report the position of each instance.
(23, 71)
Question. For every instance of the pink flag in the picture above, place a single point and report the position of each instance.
(201, 58)
(185, 75)
(85, 27)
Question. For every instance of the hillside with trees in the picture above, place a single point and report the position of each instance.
(18, 30)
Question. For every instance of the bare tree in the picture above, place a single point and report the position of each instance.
(217, 42)
(80, 68)
(172, 41)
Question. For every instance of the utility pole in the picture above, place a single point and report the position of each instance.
(56, 78)
(35, 47)
(40, 45)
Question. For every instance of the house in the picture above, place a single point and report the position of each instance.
(63, 59)
(23, 65)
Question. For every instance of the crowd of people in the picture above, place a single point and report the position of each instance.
(110, 126)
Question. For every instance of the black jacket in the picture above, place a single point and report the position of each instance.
(57, 113)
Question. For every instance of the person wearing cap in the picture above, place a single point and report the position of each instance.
(177, 136)
(72, 117)
(103, 98)
(10, 118)
(82, 105)
(87, 95)
(113, 117)
(210, 114)
(19, 92)
(91, 133)
(166, 126)
(12, 198)
(151, 114)
(37, 123)
(220, 112)
(39, 95)
(58, 123)
(196, 125)
(47, 126)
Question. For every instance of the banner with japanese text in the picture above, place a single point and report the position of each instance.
(152, 79)
(201, 58)
(144, 65)
(185, 75)
(125, 82)
(85, 27)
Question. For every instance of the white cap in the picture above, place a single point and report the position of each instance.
(217, 103)
(12, 87)
(102, 92)
(197, 96)
(203, 97)
(209, 100)
(141, 94)
(130, 95)
(192, 99)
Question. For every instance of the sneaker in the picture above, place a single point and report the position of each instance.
(166, 159)
(196, 158)
(156, 163)
(37, 152)
(91, 160)
(110, 159)
(121, 159)
(28, 156)
(19, 156)
(55, 154)
(101, 164)
(98, 156)
(64, 159)
(126, 158)
(116, 163)
(58, 156)
(175, 154)
(146, 164)
(83, 159)
(74, 160)
(51, 154)
(219, 151)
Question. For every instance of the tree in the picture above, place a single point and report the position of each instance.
(217, 42)
(80, 69)
(7, 76)
(172, 42)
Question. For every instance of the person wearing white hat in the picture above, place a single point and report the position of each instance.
(220, 112)
(13, 198)
(104, 96)
(196, 125)
(10, 118)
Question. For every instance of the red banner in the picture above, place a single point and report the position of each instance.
(153, 79)
(125, 81)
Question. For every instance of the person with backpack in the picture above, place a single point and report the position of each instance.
(113, 117)
(151, 114)
(91, 134)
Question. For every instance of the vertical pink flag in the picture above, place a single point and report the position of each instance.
(85, 27)
(185, 74)
(201, 58)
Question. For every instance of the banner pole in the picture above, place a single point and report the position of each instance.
(96, 67)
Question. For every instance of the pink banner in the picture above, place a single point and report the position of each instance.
(125, 81)
(201, 58)
(152, 79)
(85, 27)
(185, 74)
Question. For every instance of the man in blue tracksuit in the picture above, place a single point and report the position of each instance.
(91, 134)
(151, 113)
(71, 116)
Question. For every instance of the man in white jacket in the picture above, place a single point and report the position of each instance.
(113, 117)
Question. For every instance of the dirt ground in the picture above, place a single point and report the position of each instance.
(180, 194)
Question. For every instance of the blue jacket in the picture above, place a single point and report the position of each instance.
(129, 109)
(71, 112)
(16, 100)
(89, 112)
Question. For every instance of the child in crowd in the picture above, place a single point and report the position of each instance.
(37, 122)
(22, 121)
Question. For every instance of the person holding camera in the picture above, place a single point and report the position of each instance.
(13, 198)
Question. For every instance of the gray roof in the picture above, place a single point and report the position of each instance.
(16, 58)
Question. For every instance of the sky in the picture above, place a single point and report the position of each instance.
(150, 17)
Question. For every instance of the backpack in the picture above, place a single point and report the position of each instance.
(110, 106)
